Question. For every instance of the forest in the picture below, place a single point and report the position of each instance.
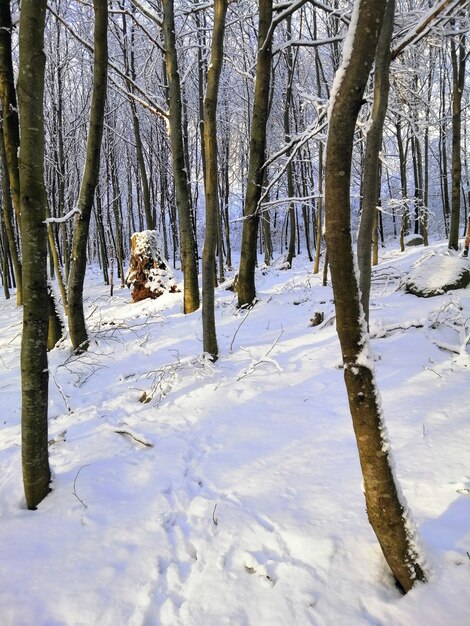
(234, 257)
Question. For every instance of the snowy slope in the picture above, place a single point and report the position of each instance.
(233, 495)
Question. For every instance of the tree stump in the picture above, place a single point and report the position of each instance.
(149, 273)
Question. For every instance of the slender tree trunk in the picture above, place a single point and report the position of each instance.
(316, 263)
(211, 184)
(458, 81)
(183, 200)
(443, 147)
(129, 64)
(77, 326)
(371, 181)
(5, 262)
(385, 511)
(10, 137)
(405, 218)
(33, 202)
(102, 235)
(8, 219)
(56, 264)
(246, 276)
(9, 105)
(287, 136)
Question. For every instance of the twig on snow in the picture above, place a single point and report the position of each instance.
(74, 491)
(263, 359)
(238, 328)
(129, 434)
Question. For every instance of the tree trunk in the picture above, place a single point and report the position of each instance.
(77, 326)
(287, 137)
(9, 106)
(385, 511)
(129, 64)
(248, 258)
(372, 152)
(211, 183)
(183, 201)
(33, 201)
(458, 81)
(8, 219)
(405, 218)
(10, 137)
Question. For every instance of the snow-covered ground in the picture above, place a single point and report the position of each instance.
(233, 494)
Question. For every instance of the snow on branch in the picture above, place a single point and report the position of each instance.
(308, 43)
(319, 5)
(147, 12)
(420, 29)
(147, 103)
(64, 218)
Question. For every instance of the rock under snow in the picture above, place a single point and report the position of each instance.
(438, 274)
(413, 240)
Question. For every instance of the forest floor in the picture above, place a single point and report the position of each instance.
(232, 495)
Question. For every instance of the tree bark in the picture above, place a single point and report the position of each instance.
(372, 153)
(385, 511)
(10, 136)
(33, 201)
(9, 105)
(287, 137)
(209, 336)
(183, 200)
(77, 326)
(458, 82)
(8, 219)
(248, 258)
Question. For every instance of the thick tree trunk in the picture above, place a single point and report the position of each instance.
(183, 200)
(385, 511)
(372, 153)
(246, 276)
(209, 337)
(77, 326)
(34, 369)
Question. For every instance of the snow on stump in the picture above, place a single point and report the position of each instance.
(413, 240)
(149, 273)
(438, 274)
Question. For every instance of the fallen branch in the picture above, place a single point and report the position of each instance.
(132, 436)
(263, 359)
(74, 491)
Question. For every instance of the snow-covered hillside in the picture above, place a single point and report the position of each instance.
(198, 494)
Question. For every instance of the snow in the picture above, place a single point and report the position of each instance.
(434, 272)
(190, 493)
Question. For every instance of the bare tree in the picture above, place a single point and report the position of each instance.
(211, 179)
(180, 173)
(458, 56)
(371, 180)
(386, 512)
(77, 326)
